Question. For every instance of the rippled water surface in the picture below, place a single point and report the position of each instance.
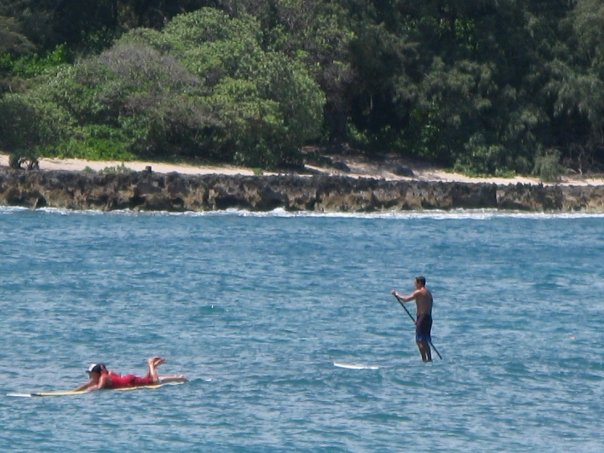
(256, 309)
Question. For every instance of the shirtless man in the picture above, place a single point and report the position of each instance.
(101, 378)
(423, 323)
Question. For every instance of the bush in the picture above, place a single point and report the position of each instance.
(547, 166)
(27, 123)
(117, 169)
(33, 65)
(202, 88)
(95, 142)
(129, 101)
(481, 157)
(253, 106)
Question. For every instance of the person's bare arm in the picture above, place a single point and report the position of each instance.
(85, 386)
(408, 297)
(90, 386)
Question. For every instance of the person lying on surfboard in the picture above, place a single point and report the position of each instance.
(102, 378)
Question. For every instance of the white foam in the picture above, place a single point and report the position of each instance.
(455, 214)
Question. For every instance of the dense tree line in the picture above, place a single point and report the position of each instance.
(487, 86)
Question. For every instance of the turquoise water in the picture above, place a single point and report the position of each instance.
(256, 309)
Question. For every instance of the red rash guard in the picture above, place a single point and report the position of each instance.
(117, 381)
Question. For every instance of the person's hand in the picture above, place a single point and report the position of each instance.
(393, 292)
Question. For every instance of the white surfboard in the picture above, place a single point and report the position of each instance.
(81, 392)
(355, 366)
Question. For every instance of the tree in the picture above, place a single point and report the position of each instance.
(318, 34)
(269, 104)
(456, 81)
(28, 123)
(12, 39)
(577, 86)
(201, 88)
(12, 43)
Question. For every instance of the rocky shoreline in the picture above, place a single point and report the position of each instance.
(175, 192)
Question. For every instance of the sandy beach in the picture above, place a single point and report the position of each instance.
(357, 167)
(81, 164)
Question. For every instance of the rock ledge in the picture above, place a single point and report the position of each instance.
(148, 191)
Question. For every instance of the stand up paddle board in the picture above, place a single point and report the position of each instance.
(355, 366)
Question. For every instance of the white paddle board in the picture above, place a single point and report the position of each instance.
(355, 366)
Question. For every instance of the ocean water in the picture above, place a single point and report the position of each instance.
(256, 309)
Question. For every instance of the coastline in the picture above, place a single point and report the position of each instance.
(356, 167)
(350, 185)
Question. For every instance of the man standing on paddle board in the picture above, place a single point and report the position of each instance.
(101, 378)
(423, 323)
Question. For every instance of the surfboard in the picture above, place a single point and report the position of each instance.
(82, 392)
(355, 366)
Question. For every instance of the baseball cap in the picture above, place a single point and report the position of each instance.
(96, 368)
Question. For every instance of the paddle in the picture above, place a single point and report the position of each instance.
(411, 316)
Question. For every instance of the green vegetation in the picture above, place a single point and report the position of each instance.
(486, 87)
(547, 166)
(117, 169)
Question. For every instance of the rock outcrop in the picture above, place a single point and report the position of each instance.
(147, 191)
